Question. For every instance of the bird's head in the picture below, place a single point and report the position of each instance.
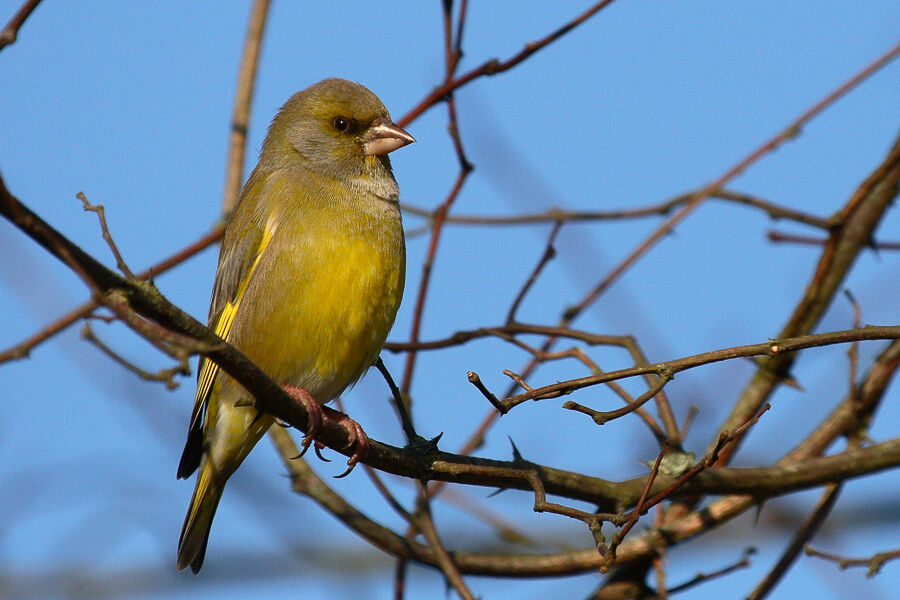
(337, 128)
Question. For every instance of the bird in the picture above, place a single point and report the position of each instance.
(309, 280)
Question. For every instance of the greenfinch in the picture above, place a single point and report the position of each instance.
(310, 277)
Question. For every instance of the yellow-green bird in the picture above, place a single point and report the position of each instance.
(309, 281)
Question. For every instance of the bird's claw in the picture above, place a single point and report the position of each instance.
(319, 446)
(356, 437)
(316, 416)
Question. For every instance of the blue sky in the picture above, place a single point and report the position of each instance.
(130, 103)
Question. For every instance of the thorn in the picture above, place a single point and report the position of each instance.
(759, 508)
(517, 456)
(496, 492)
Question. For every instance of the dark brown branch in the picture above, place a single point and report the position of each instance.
(9, 33)
(601, 417)
(24, 348)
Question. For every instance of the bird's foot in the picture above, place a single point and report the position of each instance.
(317, 415)
(314, 412)
(356, 437)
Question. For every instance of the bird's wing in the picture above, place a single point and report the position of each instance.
(236, 267)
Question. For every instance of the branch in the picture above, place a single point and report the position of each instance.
(772, 348)
(554, 215)
(806, 531)
(855, 224)
(24, 348)
(243, 96)
(780, 237)
(874, 563)
(9, 33)
(494, 66)
(436, 465)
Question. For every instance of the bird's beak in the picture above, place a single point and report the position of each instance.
(384, 137)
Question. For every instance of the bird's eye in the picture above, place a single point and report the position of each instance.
(341, 124)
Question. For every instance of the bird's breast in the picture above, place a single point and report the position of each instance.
(329, 289)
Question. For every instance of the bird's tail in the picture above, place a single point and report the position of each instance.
(197, 522)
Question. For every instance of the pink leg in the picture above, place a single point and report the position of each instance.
(355, 437)
(313, 410)
(318, 414)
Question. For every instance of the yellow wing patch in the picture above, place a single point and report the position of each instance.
(208, 368)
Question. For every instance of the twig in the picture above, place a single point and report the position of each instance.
(399, 404)
(475, 380)
(875, 562)
(645, 505)
(778, 236)
(790, 554)
(24, 348)
(743, 563)
(400, 577)
(593, 520)
(546, 257)
(427, 266)
(167, 376)
(553, 215)
(769, 146)
(503, 527)
(174, 344)
(494, 66)
(243, 97)
(638, 509)
(771, 348)
(425, 524)
(104, 229)
(600, 417)
(11, 31)
(386, 494)
(452, 52)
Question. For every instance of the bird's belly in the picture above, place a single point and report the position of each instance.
(342, 296)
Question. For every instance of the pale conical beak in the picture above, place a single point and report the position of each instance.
(385, 137)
